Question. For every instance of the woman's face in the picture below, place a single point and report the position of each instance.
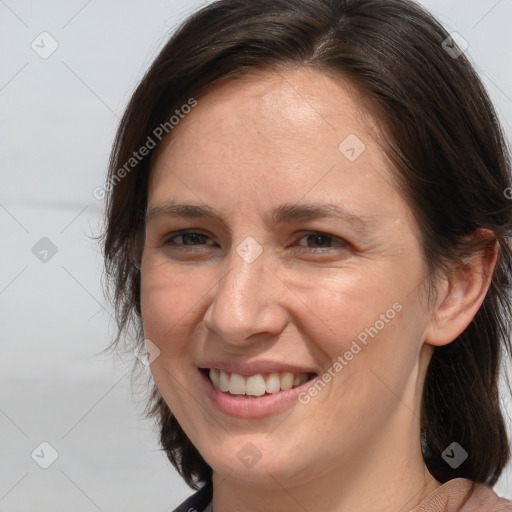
(300, 257)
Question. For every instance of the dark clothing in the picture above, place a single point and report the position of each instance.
(198, 501)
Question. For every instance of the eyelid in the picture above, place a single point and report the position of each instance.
(333, 238)
(175, 234)
(341, 243)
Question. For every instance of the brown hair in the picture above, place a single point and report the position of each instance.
(451, 159)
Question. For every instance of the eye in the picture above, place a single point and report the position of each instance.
(188, 238)
(322, 241)
(317, 241)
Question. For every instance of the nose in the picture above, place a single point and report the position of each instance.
(248, 301)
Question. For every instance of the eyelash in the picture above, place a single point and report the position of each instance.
(342, 243)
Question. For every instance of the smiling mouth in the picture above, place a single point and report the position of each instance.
(255, 385)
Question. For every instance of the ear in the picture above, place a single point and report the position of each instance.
(461, 294)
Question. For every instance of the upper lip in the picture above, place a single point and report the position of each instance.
(248, 368)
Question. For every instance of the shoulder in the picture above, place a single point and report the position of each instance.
(464, 495)
(198, 501)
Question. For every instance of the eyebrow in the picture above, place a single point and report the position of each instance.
(282, 214)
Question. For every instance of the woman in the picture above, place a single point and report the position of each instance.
(308, 229)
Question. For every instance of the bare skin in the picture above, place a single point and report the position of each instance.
(250, 146)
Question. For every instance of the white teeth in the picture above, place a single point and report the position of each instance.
(236, 384)
(255, 385)
(215, 377)
(223, 381)
(273, 384)
(287, 381)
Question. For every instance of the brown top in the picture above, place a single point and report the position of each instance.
(457, 495)
(462, 495)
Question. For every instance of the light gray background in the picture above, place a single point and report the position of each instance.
(58, 117)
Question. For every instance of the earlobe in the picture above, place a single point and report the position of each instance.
(462, 293)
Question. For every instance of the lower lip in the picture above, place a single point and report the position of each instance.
(242, 406)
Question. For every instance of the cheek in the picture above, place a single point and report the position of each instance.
(368, 332)
(168, 301)
(340, 309)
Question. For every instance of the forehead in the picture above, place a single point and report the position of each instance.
(259, 137)
(297, 105)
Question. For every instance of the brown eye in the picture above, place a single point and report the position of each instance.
(188, 238)
(319, 240)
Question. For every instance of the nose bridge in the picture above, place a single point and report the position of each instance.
(243, 304)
